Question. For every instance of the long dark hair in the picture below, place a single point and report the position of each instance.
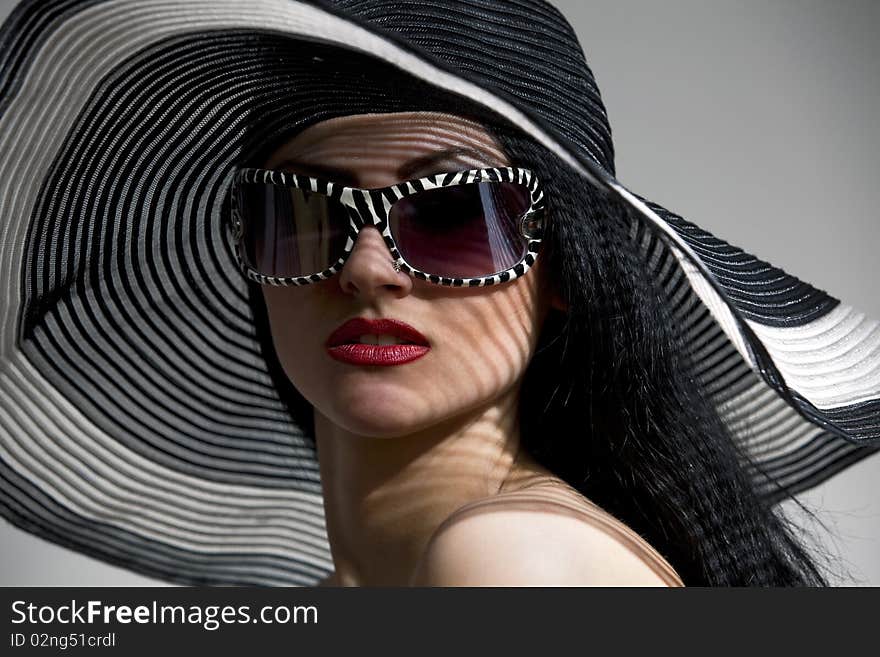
(610, 403)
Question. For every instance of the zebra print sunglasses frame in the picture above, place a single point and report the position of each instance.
(370, 207)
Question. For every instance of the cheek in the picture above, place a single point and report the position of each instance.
(487, 341)
(295, 321)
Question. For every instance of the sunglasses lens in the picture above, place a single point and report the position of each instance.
(462, 231)
(289, 231)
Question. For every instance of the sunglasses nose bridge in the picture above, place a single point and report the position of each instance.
(360, 213)
(363, 213)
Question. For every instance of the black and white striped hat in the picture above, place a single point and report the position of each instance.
(138, 419)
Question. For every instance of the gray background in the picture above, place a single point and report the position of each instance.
(757, 120)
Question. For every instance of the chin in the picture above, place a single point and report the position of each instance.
(378, 421)
(383, 414)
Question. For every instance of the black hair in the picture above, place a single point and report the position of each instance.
(610, 402)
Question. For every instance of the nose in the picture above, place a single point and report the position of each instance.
(369, 270)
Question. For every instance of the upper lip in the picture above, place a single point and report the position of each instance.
(353, 329)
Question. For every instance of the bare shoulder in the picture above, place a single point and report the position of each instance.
(546, 535)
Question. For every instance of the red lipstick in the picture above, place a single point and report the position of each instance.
(344, 343)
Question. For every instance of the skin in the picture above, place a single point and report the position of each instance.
(402, 449)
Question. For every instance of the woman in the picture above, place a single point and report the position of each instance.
(409, 444)
(614, 416)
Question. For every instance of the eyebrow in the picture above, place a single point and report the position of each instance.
(426, 165)
(433, 160)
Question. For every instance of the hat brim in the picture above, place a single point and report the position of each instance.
(139, 422)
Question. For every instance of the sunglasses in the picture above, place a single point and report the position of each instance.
(465, 228)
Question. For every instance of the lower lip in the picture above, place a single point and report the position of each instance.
(374, 354)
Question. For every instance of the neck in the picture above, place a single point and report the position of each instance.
(384, 497)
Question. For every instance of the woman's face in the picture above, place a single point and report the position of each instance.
(480, 338)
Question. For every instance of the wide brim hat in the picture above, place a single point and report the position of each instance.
(140, 422)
